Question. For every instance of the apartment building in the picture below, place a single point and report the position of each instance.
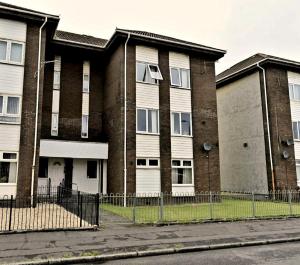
(258, 112)
(136, 113)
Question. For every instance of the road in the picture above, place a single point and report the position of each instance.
(287, 254)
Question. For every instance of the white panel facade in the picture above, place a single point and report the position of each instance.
(85, 103)
(13, 30)
(8, 189)
(180, 100)
(55, 101)
(9, 137)
(297, 149)
(146, 54)
(182, 147)
(80, 179)
(147, 145)
(147, 181)
(294, 78)
(11, 79)
(179, 60)
(183, 190)
(147, 96)
(70, 149)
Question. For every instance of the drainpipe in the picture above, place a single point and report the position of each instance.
(268, 125)
(37, 108)
(125, 119)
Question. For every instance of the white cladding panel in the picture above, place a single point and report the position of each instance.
(57, 63)
(297, 150)
(86, 67)
(147, 181)
(181, 147)
(147, 145)
(180, 100)
(85, 103)
(80, 179)
(295, 110)
(9, 137)
(183, 190)
(11, 79)
(146, 54)
(13, 30)
(294, 78)
(147, 96)
(55, 101)
(179, 60)
(8, 189)
(70, 149)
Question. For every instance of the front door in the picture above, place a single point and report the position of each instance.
(68, 173)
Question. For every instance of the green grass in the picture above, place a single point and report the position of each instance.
(226, 209)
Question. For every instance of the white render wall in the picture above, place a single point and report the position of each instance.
(240, 119)
(147, 181)
(12, 30)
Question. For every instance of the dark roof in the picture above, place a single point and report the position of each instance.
(151, 35)
(251, 61)
(26, 9)
(79, 38)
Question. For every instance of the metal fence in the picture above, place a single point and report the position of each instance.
(51, 208)
(195, 207)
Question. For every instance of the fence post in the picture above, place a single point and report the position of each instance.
(210, 206)
(134, 209)
(97, 197)
(10, 212)
(253, 205)
(161, 207)
(290, 202)
(80, 210)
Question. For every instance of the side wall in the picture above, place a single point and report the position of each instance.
(241, 136)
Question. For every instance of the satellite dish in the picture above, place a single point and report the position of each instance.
(207, 147)
(285, 154)
(289, 142)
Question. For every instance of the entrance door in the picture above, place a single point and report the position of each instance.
(68, 173)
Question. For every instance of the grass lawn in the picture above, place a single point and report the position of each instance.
(227, 209)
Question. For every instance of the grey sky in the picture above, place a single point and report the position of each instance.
(242, 27)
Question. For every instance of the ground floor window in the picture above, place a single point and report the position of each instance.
(182, 171)
(147, 163)
(43, 167)
(8, 167)
(298, 171)
(92, 169)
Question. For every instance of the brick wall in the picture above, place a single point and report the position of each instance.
(205, 124)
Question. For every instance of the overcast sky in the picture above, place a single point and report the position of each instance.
(242, 27)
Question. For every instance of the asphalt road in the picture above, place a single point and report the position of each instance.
(287, 254)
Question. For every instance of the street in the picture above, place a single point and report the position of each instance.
(287, 254)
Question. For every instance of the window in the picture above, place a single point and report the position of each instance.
(8, 167)
(54, 124)
(180, 77)
(3, 50)
(43, 167)
(181, 123)
(294, 91)
(84, 126)
(147, 120)
(296, 130)
(56, 80)
(148, 73)
(298, 171)
(11, 52)
(91, 169)
(86, 83)
(9, 109)
(182, 172)
(147, 162)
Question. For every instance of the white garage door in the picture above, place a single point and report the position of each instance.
(147, 181)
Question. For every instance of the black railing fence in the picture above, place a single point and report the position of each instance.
(51, 208)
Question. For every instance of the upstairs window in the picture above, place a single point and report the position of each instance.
(147, 121)
(181, 123)
(296, 130)
(180, 77)
(11, 52)
(86, 83)
(9, 109)
(84, 126)
(294, 91)
(148, 73)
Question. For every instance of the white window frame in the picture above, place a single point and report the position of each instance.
(85, 134)
(147, 121)
(298, 177)
(85, 83)
(180, 125)
(182, 166)
(155, 75)
(156, 81)
(147, 166)
(180, 78)
(8, 52)
(292, 97)
(3, 112)
(16, 160)
(54, 124)
(298, 130)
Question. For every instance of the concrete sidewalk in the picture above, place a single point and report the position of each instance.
(126, 238)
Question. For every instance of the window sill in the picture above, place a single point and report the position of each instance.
(146, 133)
(179, 135)
(179, 87)
(7, 184)
(146, 83)
(10, 123)
(11, 63)
(147, 167)
(183, 185)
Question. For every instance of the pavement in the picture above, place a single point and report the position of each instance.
(115, 240)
